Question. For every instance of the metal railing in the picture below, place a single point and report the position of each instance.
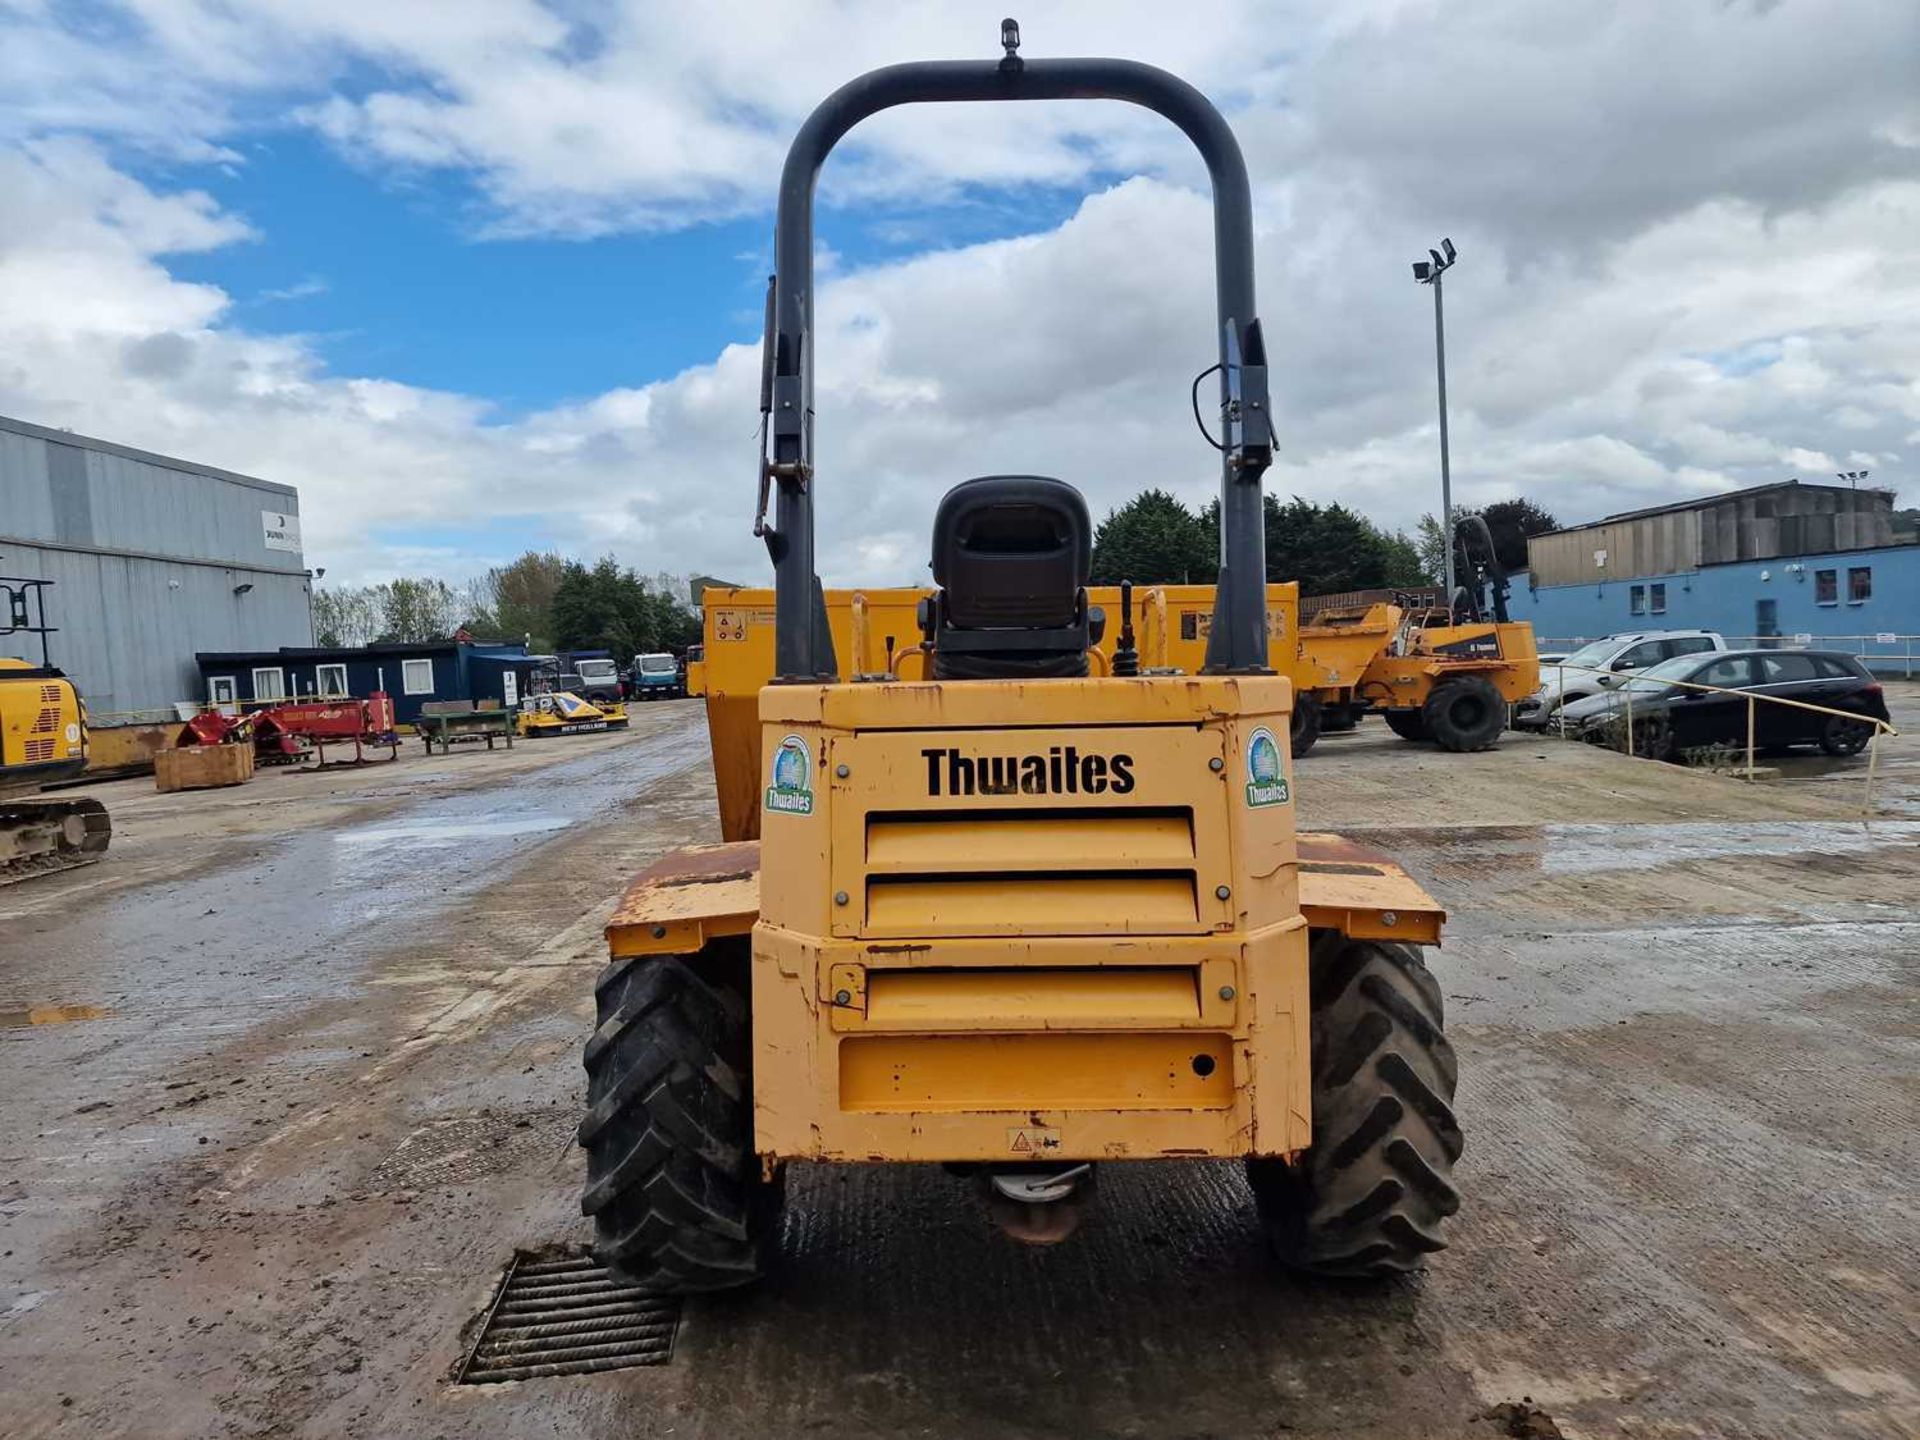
(1878, 727)
(1883, 652)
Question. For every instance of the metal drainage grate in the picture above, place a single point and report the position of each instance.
(568, 1316)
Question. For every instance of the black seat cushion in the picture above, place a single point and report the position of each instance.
(1011, 554)
(1012, 551)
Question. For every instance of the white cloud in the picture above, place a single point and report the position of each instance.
(1689, 240)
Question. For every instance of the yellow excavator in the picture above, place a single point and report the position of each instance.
(43, 738)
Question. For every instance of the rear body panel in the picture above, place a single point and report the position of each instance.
(1003, 915)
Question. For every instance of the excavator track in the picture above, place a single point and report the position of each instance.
(41, 836)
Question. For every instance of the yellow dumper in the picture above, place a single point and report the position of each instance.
(1430, 676)
(992, 895)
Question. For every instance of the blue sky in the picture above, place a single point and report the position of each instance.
(401, 277)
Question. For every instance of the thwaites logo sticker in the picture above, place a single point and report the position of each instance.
(792, 790)
(1266, 776)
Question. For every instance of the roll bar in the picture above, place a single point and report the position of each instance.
(803, 646)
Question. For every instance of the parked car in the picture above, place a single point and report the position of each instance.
(600, 680)
(1669, 720)
(1602, 665)
(658, 677)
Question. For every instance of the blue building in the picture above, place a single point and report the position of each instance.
(412, 674)
(1805, 564)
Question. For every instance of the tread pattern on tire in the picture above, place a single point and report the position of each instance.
(673, 1185)
(1407, 724)
(1449, 729)
(1370, 1195)
(1337, 719)
(1305, 726)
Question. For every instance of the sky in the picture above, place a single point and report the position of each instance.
(484, 275)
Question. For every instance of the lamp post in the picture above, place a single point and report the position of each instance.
(1428, 272)
(1852, 477)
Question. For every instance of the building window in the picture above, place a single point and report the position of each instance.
(332, 679)
(1657, 599)
(1637, 600)
(1859, 584)
(220, 691)
(416, 677)
(270, 684)
(1826, 587)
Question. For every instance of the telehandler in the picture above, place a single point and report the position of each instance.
(994, 904)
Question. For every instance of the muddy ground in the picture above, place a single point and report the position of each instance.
(320, 1073)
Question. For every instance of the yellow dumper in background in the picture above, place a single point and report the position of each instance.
(995, 895)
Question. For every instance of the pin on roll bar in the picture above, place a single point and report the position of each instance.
(803, 646)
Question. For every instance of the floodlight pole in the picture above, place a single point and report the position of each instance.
(1429, 273)
(1446, 468)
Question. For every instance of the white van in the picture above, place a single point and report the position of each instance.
(1602, 665)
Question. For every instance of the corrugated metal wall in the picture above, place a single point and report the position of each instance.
(1653, 545)
(1762, 524)
(145, 554)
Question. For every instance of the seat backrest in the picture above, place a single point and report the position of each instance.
(1012, 552)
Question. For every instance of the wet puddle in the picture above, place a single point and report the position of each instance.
(1580, 849)
(305, 893)
(438, 833)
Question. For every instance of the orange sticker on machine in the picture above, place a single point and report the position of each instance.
(1025, 1140)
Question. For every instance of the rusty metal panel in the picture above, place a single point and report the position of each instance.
(1346, 886)
(686, 898)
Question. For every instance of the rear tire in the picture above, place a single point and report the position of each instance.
(673, 1184)
(1841, 738)
(1336, 719)
(1306, 724)
(1370, 1194)
(1407, 724)
(1465, 714)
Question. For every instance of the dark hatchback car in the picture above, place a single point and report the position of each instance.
(1669, 720)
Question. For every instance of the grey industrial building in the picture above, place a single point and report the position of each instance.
(153, 560)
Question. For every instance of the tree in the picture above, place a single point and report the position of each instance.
(604, 607)
(417, 610)
(1405, 569)
(1153, 539)
(1432, 545)
(1328, 549)
(1511, 522)
(610, 608)
(345, 615)
(515, 602)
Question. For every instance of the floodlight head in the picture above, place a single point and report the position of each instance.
(1422, 271)
(1438, 263)
(1447, 245)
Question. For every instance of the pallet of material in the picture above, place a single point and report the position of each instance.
(202, 767)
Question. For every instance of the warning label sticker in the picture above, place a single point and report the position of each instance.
(1032, 1140)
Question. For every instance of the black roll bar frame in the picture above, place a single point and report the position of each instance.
(803, 645)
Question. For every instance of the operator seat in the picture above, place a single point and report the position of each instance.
(1011, 555)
